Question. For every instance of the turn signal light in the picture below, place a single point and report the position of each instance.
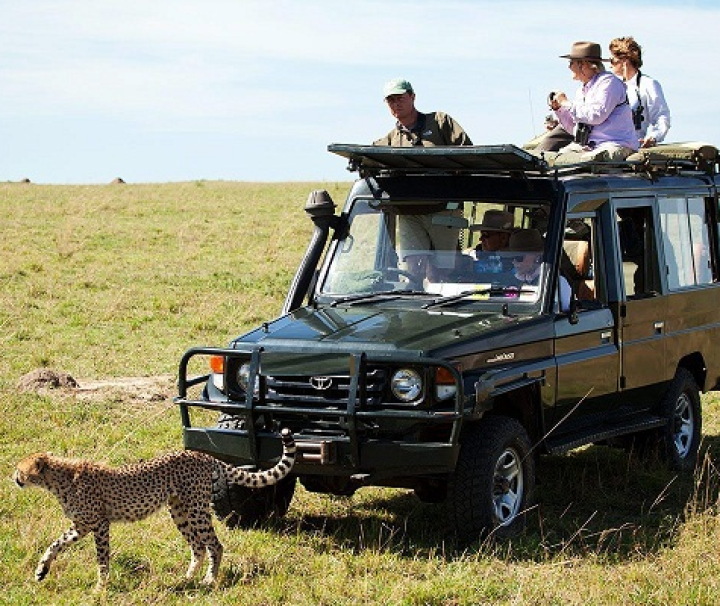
(217, 364)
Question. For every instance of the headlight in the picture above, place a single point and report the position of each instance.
(243, 379)
(406, 384)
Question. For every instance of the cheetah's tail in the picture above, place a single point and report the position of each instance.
(258, 479)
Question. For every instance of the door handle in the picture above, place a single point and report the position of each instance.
(659, 326)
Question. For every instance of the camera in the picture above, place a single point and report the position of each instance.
(637, 116)
(582, 133)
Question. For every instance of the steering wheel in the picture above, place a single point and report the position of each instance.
(412, 279)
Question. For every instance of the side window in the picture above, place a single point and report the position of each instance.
(578, 263)
(700, 236)
(638, 246)
(686, 242)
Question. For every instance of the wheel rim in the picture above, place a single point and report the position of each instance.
(684, 425)
(508, 487)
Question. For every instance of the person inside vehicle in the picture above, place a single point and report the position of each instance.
(650, 111)
(529, 245)
(599, 117)
(495, 230)
(413, 128)
(428, 243)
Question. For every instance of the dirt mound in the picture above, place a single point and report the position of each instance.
(45, 378)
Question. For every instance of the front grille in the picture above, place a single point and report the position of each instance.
(326, 391)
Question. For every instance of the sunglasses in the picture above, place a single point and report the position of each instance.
(615, 60)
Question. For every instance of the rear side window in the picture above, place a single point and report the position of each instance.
(686, 242)
(639, 249)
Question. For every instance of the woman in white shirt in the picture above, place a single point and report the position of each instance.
(651, 113)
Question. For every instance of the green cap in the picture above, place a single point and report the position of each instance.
(397, 86)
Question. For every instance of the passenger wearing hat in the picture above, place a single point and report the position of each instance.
(600, 117)
(413, 127)
(495, 229)
(529, 245)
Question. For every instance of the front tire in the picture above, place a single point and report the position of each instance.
(242, 507)
(492, 486)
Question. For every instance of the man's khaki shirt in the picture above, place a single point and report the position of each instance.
(432, 129)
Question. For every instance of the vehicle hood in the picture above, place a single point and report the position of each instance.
(355, 328)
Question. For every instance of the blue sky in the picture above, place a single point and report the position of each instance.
(255, 90)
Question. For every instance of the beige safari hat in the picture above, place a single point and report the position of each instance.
(526, 240)
(587, 51)
(495, 220)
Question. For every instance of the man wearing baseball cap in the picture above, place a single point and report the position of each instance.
(413, 127)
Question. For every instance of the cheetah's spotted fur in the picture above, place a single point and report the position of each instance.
(93, 495)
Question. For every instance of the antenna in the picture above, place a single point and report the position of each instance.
(532, 113)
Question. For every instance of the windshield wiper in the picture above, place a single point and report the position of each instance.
(493, 290)
(377, 296)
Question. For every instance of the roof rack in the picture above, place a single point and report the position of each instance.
(671, 158)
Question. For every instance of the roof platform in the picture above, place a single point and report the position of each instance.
(510, 159)
(467, 158)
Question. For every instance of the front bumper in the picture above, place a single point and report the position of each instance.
(351, 452)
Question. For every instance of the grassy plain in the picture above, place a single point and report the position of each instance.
(118, 280)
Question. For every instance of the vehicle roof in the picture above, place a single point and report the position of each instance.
(684, 159)
(506, 172)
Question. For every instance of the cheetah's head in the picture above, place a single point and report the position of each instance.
(31, 469)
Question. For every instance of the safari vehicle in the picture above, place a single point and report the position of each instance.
(402, 358)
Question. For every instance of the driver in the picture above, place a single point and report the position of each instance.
(428, 250)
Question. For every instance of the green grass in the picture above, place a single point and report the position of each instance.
(118, 280)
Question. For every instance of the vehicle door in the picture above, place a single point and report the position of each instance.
(642, 306)
(586, 348)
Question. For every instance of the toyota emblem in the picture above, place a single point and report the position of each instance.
(321, 383)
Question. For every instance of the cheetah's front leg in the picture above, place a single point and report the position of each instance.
(70, 536)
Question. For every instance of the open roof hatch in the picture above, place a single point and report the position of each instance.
(471, 158)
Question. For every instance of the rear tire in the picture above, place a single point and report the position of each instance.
(493, 483)
(680, 438)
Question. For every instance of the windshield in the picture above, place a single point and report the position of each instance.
(452, 251)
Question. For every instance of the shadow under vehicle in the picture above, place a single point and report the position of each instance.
(405, 356)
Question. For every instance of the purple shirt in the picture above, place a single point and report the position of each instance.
(602, 102)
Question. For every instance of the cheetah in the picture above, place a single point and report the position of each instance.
(93, 495)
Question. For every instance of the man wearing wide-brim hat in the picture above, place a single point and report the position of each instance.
(495, 229)
(599, 118)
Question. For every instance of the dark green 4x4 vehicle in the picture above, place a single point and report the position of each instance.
(406, 356)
